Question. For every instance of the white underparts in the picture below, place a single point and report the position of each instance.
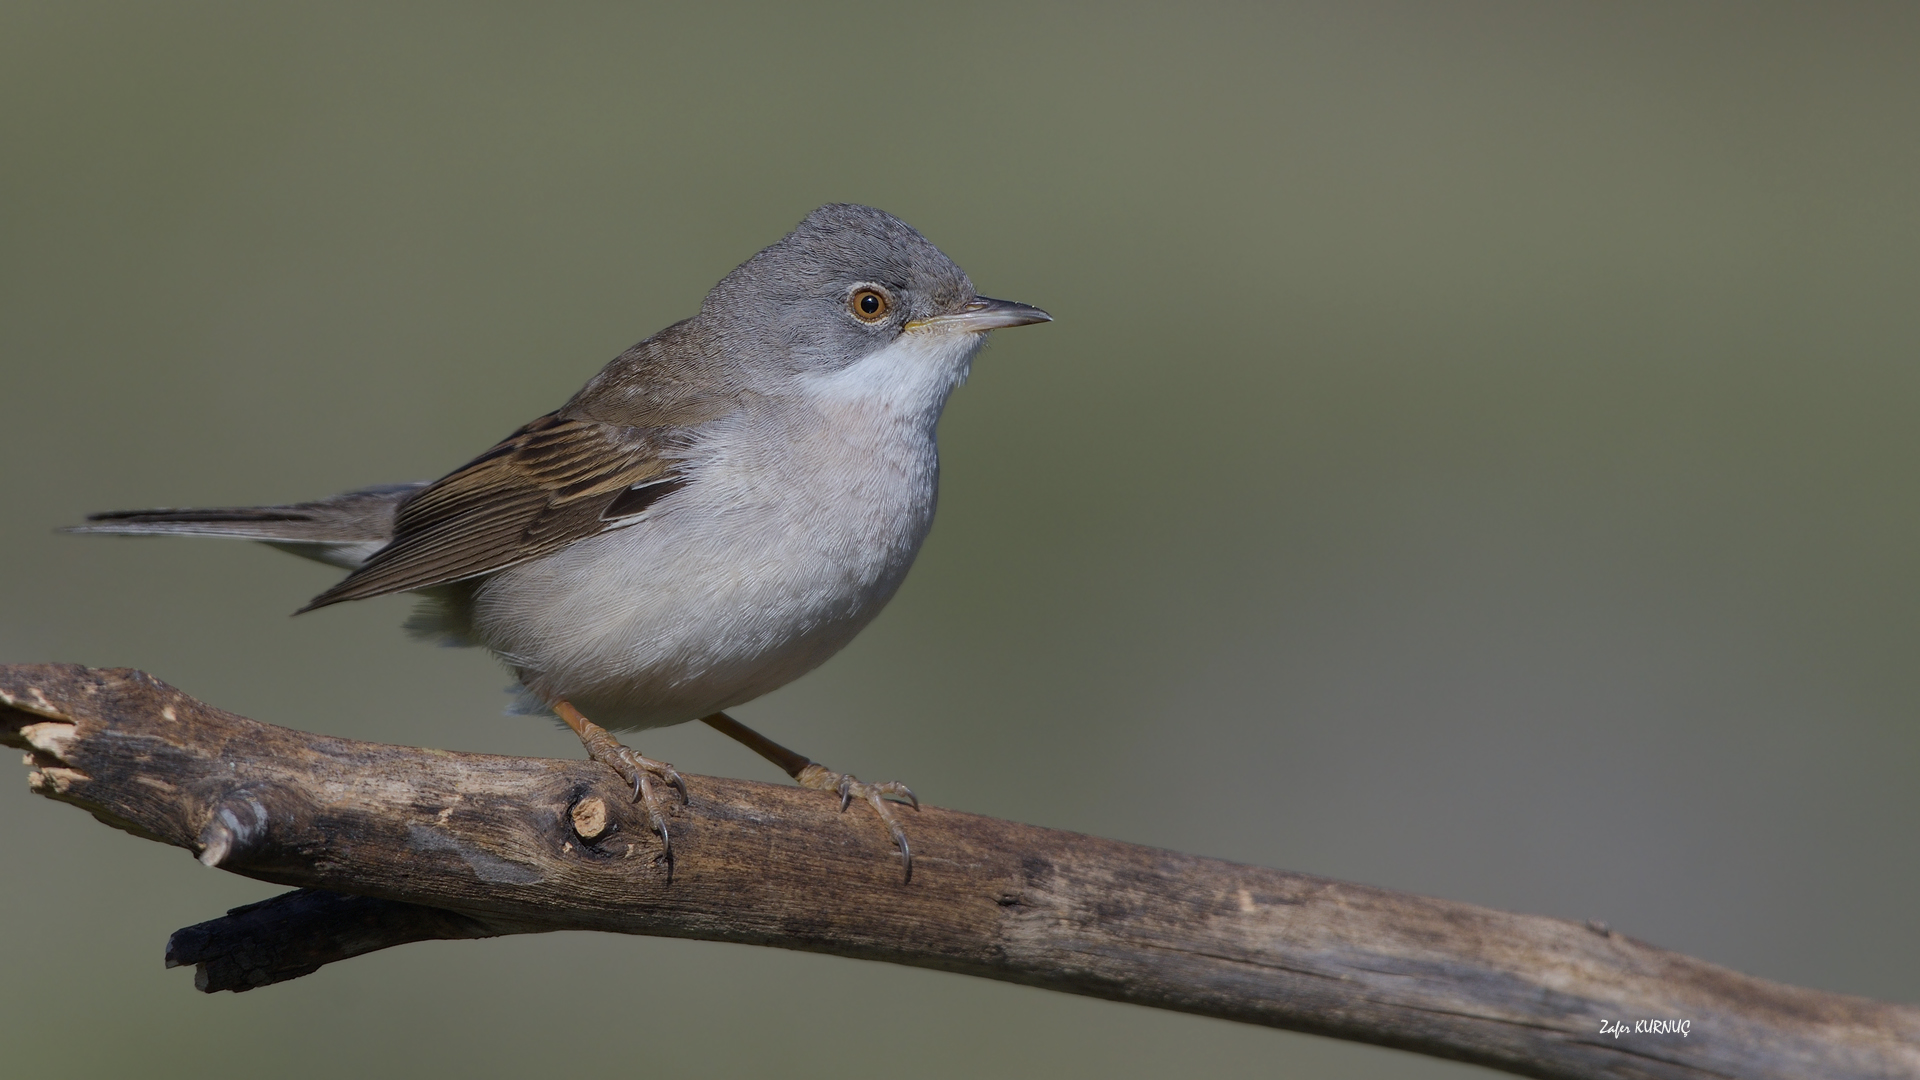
(798, 521)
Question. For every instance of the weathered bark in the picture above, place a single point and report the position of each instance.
(430, 844)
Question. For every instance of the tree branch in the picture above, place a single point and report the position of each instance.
(393, 844)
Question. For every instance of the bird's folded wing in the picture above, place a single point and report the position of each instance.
(554, 481)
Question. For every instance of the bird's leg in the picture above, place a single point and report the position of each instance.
(811, 774)
(632, 767)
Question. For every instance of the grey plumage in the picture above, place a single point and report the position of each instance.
(715, 513)
(342, 530)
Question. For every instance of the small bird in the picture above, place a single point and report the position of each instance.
(717, 512)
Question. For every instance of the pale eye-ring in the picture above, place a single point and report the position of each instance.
(869, 304)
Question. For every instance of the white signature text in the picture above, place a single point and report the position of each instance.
(1617, 1028)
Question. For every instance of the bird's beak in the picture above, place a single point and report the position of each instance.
(982, 314)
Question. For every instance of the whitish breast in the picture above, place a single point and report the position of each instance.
(799, 521)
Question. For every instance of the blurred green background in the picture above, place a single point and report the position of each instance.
(1476, 455)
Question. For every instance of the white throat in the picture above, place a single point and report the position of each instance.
(907, 381)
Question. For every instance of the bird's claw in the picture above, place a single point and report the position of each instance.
(849, 788)
(638, 770)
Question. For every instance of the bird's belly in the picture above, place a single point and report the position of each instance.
(719, 599)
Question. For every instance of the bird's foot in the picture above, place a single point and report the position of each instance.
(820, 778)
(633, 767)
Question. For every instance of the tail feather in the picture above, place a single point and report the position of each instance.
(342, 531)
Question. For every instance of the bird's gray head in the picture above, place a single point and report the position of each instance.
(848, 281)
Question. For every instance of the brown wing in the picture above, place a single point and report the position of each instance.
(552, 482)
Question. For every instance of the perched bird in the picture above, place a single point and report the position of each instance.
(718, 511)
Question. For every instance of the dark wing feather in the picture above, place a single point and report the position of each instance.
(554, 481)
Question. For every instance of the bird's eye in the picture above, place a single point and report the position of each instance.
(868, 304)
